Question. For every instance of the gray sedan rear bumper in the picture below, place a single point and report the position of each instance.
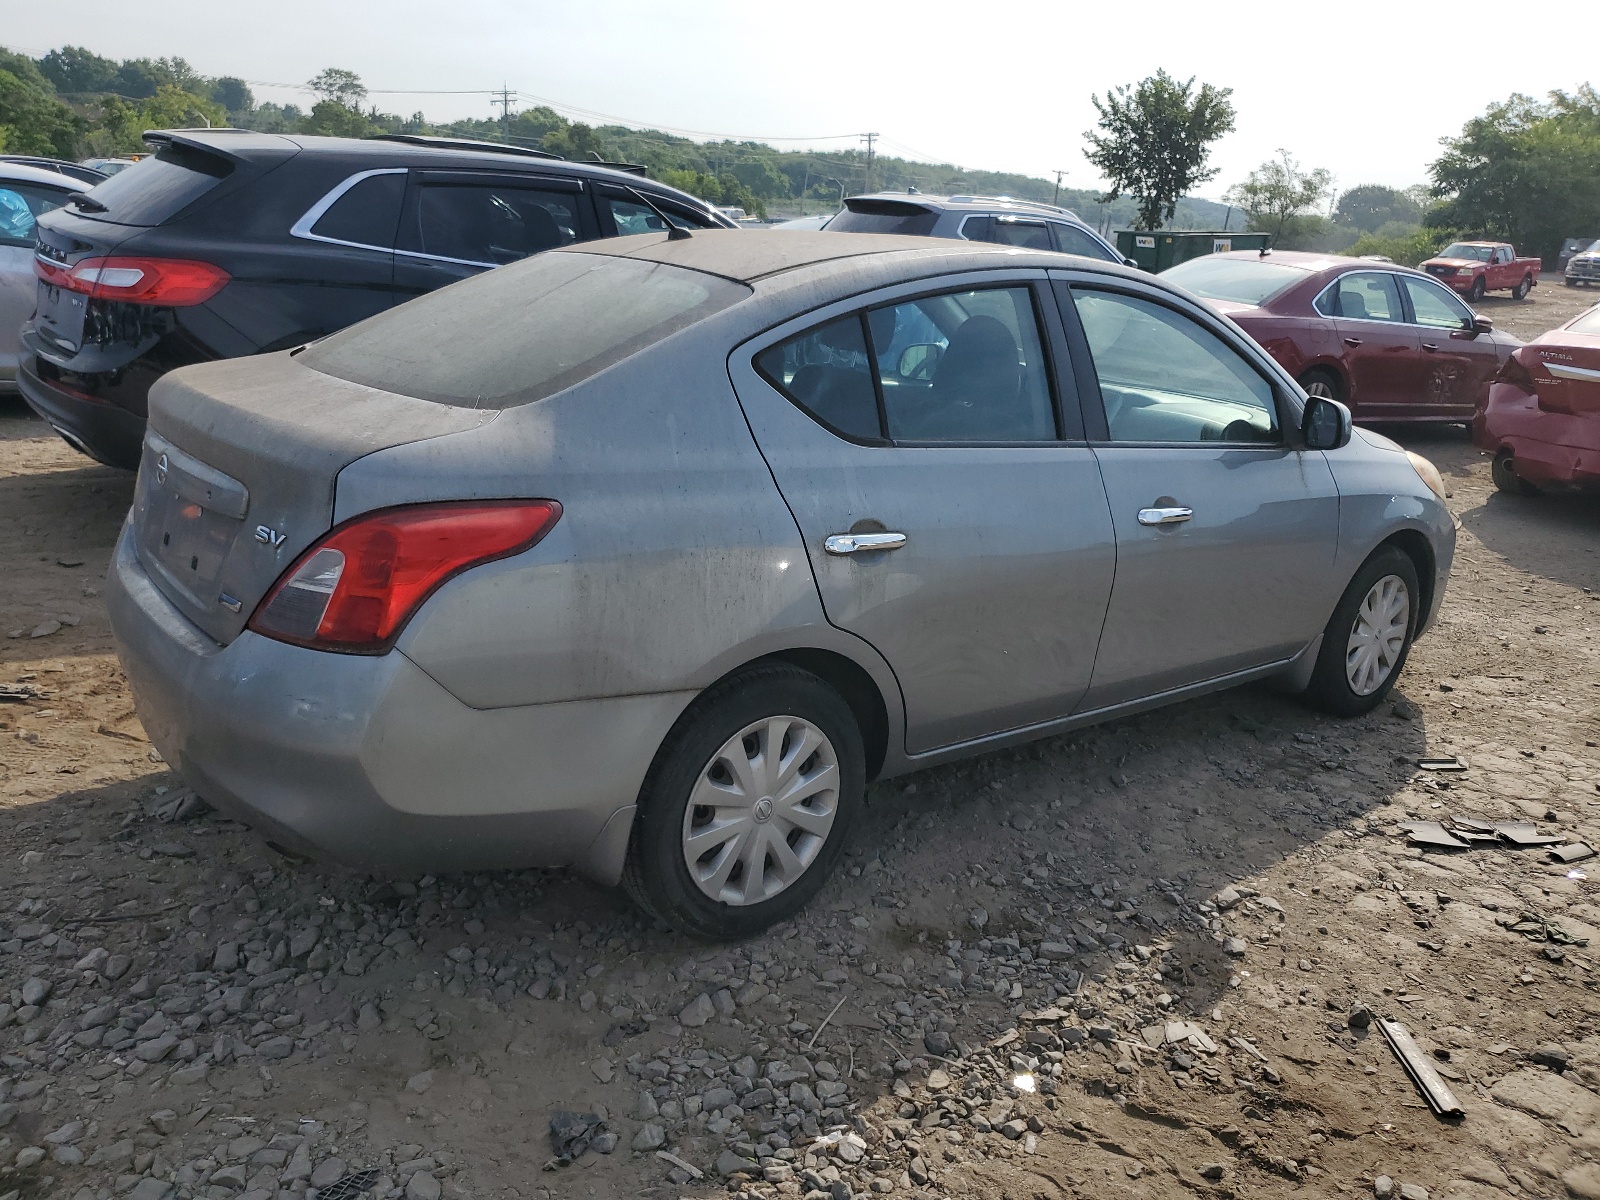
(369, 761)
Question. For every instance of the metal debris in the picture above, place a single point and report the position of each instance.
(350, 1186)
(1432, 833)
(1434, 1090)
(1456, 764)
(1576, 852)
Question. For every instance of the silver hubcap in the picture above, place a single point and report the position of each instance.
(1378, 636)
(761, 810)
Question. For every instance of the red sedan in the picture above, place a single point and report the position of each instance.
(1388, 341)
(1542, 417)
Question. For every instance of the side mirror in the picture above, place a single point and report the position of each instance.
(1481, 325)
(919, 361)
(1131, 262)
(1325, 424)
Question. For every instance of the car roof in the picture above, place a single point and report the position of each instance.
(22, 173)
(975, 204)
(751, 254)
(1314, 262)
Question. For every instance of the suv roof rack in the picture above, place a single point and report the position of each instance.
(453, 143)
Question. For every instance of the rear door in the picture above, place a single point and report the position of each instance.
(1380, 350)
(455, 224)
(952, 513)
(1459, 363)
(1225, 532)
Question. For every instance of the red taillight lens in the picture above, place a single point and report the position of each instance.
(354, 590)
(169, 282)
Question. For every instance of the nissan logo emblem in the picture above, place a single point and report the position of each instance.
(161, 469)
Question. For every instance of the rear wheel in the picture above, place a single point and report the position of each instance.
(1322, 383)
(1503, 470)
(1365, 644)
(1479, 287)
(1522, 289)
(748, 805)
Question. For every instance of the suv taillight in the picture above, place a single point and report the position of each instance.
(354, 590)
(168, 282)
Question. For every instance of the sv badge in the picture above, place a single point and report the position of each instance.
(268, 536)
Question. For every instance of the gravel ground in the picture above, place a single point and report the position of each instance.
(1135, 961)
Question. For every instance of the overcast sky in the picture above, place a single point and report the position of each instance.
(1365, 89)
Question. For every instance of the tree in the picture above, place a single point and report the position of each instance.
(339, 86)
(333, 119)
(76, 70)
(122, 124)
(1278, 192)
(233, 94)
(1155, 141)
(36, 121)
(1527, 172)
(1371, 205)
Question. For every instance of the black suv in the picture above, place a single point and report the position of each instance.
(226, 243)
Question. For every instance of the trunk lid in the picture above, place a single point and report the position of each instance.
(1565, 365)
(240, 463)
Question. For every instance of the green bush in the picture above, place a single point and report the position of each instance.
(1407, 249)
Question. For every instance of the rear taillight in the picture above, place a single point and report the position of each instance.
(169, 282)
(354, 590)
(1514, 372)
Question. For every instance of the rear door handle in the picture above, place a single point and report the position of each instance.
(1164, 516)
(1430, 347)
(1352, 341)
(851, 543)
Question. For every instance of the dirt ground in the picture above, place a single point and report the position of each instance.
(1118, 963)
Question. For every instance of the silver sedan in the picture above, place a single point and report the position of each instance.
(646, 556)
(26, 193)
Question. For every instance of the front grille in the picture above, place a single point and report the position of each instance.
(1584, 268)
(1437, 269)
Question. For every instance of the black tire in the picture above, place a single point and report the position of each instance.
(1479, 287)
(1330, 688)
(656, 874)
(1503, 470)
(1520, 292)
(1326, 381)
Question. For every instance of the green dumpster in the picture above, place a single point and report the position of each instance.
(1155, 252)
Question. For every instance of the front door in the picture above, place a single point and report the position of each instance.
(1225, 532)
(952, 515)
(1380, 350)
(1460, 362)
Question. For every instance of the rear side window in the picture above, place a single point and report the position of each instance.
(1008, 231)
(367, 214)
(1072, 240)
(157, 188)
(492, 225)
(21, 206)
(629, 216)
(517, 335)
(884, 216)
(827, 373)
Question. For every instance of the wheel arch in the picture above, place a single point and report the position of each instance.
(859, 690)
(1415, 545)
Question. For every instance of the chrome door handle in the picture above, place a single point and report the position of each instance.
(1430, 347)
(1164, 516)
(1352, 341)
(850, 543)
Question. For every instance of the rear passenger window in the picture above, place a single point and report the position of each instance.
(1362, 296)
(367, 214)
(957, 367)
(825, 371)
(491, 225)
(1072, 240)
(1008, 231)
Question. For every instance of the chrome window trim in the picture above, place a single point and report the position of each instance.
(1370, 320)
(302, 227)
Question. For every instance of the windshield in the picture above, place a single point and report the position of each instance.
(1241, 280)
(1465, 250)
(522, 332)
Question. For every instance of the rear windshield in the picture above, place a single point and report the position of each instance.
(1589, 322)
(156, 188)
(522, 332)
(1241, 280)
(883, 216)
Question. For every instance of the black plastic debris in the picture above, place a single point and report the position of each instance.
(571, 1134)
(350, 1186)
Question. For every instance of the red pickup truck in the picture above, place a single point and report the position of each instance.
(1473, 268)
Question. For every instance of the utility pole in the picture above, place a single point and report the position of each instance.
(1055, 197)
(503, 99)
(869, 139)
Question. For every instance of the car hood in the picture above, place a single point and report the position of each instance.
(1236, 310)
(1377, 441)
(1454, 262)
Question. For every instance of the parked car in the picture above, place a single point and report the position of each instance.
(1473, 268)
(819, 221)
(1542, 417)
(110, 166)
(644, 556)
(1390, 342)
(227, 243)
(998, 219)
(1583, 267)
(81, 175)
(26, 194)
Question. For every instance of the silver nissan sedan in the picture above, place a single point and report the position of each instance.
(645, 556)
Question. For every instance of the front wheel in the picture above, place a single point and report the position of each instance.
(1365, 644)
(748, 805)
(1479, 287)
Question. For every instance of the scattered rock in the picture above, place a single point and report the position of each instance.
(697, 1012)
